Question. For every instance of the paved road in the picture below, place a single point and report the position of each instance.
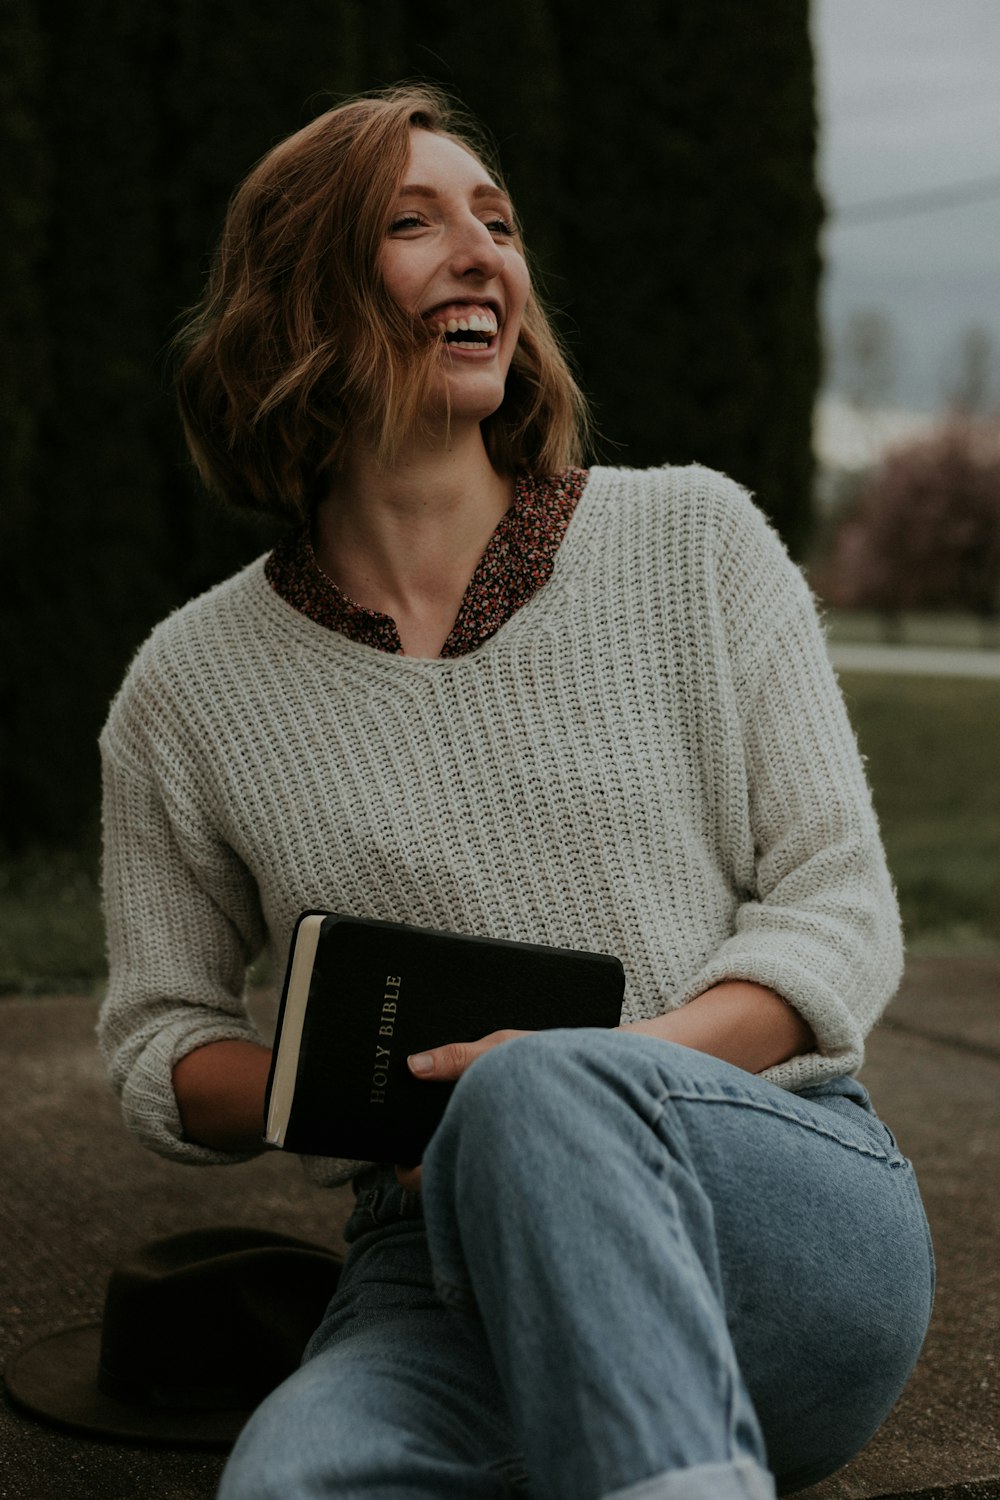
(923, 661)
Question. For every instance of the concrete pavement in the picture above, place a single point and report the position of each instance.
(79, 1194)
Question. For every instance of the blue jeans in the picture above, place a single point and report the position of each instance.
(635, 1271)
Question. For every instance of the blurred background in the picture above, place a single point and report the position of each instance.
(770, 236)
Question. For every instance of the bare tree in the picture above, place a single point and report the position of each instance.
(970, 388)
(867, 358)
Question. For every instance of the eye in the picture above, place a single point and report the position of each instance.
(501, 227)
(405, 221)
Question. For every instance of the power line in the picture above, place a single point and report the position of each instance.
(932, 200)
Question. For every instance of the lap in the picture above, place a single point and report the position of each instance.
(820, 1261)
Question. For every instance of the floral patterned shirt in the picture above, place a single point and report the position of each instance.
(519, 558)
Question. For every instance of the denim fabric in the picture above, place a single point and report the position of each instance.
(633, 1272)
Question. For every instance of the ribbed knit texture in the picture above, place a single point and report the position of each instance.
(650, 758)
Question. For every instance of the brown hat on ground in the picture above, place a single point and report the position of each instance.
(197, 1329)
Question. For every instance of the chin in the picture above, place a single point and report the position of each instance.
(475, 405)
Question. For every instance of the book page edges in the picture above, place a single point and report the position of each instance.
(290, 1037)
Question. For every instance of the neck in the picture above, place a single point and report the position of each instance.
(405, 541)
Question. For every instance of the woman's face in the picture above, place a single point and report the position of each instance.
(451, 258)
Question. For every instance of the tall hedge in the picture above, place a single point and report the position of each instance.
(662, 159)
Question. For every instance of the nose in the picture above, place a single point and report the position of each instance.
(474, 250)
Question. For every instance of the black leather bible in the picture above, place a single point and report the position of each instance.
(360, 995)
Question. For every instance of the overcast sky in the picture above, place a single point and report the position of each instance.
(909, 94)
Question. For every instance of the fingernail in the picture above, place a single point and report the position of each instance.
(421, 1062)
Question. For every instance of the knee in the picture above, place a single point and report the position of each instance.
(502, 1102)
(572, 1069)
(514, 1081)
(535, 1091)
(573, 1084)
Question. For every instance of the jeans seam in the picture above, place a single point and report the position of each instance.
(701, 1096)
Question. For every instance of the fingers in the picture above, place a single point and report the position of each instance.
(445, 1064)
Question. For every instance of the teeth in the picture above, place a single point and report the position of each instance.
(484, 323)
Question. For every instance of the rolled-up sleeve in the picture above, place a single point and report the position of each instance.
(183, 921)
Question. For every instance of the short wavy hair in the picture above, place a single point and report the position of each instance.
(297, 347)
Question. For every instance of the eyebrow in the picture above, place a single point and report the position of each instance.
(484, 190)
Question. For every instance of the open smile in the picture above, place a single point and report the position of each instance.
(472, 325)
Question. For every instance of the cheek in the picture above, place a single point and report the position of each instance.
(522, 285)
(518, 291)
(400, 277)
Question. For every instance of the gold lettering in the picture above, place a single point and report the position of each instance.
(387, 1026)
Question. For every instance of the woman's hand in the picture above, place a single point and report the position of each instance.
(445, 1065)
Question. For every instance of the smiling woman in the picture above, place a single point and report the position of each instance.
(485, 690)
(298, 341)
(454, 260)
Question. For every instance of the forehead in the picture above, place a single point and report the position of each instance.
(438, 161)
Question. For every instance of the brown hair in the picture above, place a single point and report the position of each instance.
(296, 345)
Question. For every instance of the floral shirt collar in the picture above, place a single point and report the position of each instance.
(519, 558)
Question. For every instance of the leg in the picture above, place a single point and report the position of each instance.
(685, 1275)
(397, 1397)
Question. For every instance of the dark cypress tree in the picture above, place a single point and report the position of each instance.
(24, 212)
(126, 132)
(88, 525)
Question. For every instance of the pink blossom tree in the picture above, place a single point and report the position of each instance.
(925, 531)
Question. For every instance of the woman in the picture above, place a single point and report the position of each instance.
(484, 690)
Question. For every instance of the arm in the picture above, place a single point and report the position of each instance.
(743, 1023)
(182, 920)
(817, 921)
(220, 1090)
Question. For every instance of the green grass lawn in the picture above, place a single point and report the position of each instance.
(51, 933)
(933, 749)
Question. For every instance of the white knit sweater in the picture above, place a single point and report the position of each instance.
(650, 758)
